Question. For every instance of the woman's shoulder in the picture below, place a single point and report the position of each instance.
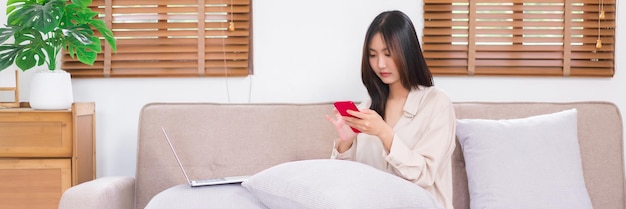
(431, 93)
(431, 98)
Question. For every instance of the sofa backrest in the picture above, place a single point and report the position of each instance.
(599, 135)
(217, 140)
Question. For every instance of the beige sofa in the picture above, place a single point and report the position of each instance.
(215, 140)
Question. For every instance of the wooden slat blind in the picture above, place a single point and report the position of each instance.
(172, 38)
(519, 37)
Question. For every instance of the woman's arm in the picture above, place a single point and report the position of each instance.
(434, 134)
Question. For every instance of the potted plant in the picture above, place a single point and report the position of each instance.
(40, 29)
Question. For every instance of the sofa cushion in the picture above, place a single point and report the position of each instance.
(530, 162)
(228, 196)
(326, 183)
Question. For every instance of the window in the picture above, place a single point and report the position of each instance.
(172, 38)
(520, 37)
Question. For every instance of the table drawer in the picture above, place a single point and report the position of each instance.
(30, 134)
(33, 183)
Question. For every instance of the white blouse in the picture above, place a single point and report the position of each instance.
(423, 142)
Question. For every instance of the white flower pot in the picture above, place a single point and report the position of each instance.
(51, 90)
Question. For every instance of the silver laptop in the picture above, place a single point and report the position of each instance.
(203, 182)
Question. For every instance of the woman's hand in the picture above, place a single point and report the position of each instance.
(370, 122)
(344, 130)
(367, 121)
(346, 135)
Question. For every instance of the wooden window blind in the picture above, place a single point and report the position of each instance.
(172, 38)
(520, 37)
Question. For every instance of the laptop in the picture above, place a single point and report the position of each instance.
(203, 182)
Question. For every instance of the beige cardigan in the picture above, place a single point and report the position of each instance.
(422, 145)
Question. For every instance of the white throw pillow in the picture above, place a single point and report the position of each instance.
(332, 184)
(531, 162)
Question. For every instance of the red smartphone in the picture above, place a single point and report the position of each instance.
(343, 107)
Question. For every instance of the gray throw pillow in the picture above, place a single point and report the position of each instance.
(332, 184)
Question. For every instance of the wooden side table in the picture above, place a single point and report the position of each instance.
(43, 153)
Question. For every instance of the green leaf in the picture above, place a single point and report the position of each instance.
(11, 6)
(31, 50)
(87, 57)
(6, 33)
(79, 34)
(27, 13)
(77, 15)
(8, 53)
(106, 33)
(27, 58)
(82, 3)
(83, 44)
(67, 20)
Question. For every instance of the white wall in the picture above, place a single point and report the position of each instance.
(305, 51)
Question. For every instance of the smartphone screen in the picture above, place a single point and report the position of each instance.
(343, 107)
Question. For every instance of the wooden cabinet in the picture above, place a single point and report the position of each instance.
(43, 153)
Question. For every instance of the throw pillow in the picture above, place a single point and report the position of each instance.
(231, 196)
(530, 162)
(331, 184)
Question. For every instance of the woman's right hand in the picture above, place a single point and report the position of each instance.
(346, 135)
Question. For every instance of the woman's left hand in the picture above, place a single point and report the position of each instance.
(370, 122)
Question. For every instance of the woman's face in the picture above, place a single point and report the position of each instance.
(380, 58)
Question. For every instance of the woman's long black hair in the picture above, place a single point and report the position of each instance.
(399, 35)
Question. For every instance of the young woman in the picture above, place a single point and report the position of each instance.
(407, 126)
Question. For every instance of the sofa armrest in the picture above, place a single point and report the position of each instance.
(102, 193)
